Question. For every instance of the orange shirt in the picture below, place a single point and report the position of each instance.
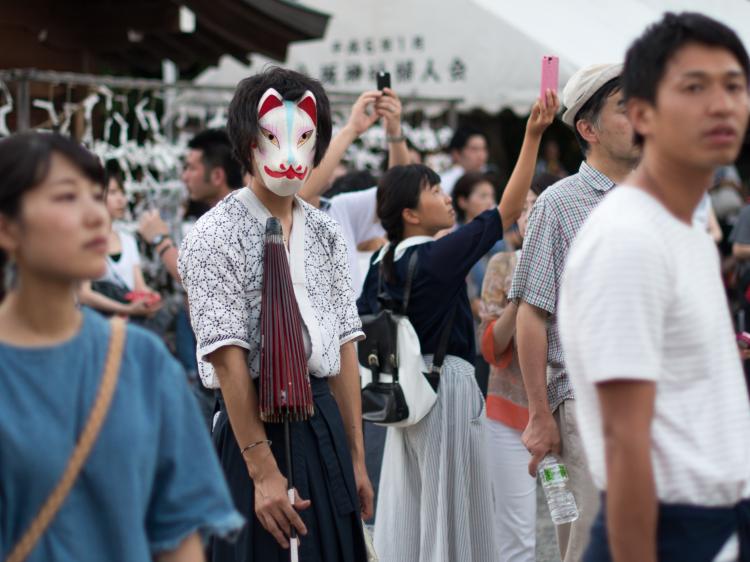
(504, 373)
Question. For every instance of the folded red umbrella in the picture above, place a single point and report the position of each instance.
(285, 392)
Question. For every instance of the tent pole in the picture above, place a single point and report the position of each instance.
(24, 105)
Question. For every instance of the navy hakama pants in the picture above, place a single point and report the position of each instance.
(323, 473)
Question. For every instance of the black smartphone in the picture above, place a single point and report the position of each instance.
(383, 80)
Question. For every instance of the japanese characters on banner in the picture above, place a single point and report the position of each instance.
(487, 53)
(354, 62)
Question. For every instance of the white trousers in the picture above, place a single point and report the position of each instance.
(514, 492)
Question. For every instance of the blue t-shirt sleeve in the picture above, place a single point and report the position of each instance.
(189, 492)
(452, 256)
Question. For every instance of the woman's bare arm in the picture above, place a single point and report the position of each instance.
(542, 114)
(190, 550)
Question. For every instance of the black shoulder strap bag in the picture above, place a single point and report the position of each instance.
(383, 399)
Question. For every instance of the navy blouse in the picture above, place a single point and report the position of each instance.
(439, 284)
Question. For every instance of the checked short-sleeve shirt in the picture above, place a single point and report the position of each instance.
(554, 221)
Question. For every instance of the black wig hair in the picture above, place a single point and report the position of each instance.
(242, 122)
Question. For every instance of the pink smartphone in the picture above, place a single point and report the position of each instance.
(550, 69)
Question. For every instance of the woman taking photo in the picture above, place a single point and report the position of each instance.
(435, 498)
(149, 481)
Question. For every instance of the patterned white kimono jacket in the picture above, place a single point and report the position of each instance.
(221, 265)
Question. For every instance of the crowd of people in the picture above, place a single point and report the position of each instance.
(592, 317)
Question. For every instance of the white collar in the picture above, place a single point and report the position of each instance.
(297, 240)
(403, 246)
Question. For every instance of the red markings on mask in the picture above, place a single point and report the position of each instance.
(272, 102)
(307, 104)
(289, 174)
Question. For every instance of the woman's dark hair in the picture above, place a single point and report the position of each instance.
(648, 56)
(464, 188)
(592, 109)
(242, 119)
(542, 181)
(399, 188)
(25, 161)
(112, 172)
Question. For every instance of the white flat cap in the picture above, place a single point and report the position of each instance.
(584, 84)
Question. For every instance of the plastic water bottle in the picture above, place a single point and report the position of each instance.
(560, 500)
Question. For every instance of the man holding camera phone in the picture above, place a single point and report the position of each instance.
(595, 111)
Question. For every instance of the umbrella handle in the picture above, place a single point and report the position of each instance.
(293, 540)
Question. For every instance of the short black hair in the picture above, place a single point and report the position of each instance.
(217, 153)
(647, 58)
(351, 181)
(242, 121)
(592, 109)
(461, 137)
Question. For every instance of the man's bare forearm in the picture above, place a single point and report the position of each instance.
(531, 335)
(398, 154)
(169, 259)
(627, 411)
(241, 401)
(346, 390)
(631, 503)
(317, 183)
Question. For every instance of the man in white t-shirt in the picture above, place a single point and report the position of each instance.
(645, 326)
(356, 211)
(468, 150)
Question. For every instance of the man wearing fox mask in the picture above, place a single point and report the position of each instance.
(280, 126)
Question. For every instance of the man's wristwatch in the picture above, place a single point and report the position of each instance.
(158, 239)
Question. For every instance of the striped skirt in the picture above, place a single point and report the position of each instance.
(435, 497)
(323, 474)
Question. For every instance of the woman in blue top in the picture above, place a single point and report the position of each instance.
(435, 496)
(152, 481)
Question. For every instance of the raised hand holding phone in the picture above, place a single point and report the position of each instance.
(542, 113)
(383, 80)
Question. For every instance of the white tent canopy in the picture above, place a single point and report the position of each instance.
(486, 52)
